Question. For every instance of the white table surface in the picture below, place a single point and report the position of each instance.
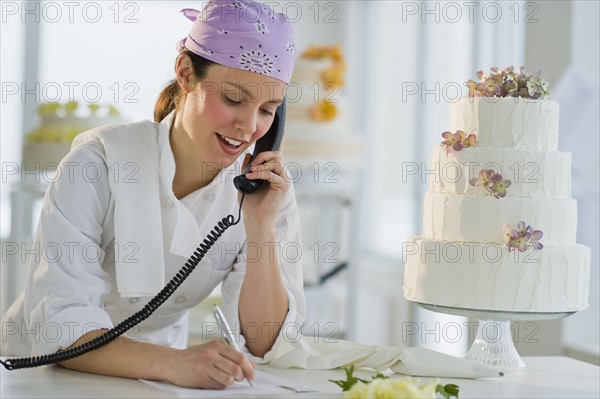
(547, 377)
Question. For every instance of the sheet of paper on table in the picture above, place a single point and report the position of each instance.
(264, 384)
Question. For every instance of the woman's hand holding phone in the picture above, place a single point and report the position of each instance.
(262, 207)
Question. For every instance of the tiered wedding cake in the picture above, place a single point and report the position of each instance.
(317, 126)
(501, 190)
(47, 144)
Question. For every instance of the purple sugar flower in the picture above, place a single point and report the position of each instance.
(521, 238)
(534, 237)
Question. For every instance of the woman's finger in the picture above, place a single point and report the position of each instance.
(275, 167)
(246, 161)
(239, 365)
(276, 181)
(267, 156)
(220, 378)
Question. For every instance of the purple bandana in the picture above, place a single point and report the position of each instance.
(242, 34)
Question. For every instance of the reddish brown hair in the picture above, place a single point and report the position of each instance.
(171, 96)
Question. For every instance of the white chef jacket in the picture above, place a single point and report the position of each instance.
(71, 286)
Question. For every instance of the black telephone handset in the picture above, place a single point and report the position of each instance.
(269, 142)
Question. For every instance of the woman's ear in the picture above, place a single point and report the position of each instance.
(184, 70)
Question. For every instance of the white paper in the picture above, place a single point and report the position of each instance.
(264, 384)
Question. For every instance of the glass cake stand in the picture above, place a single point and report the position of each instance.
(493, 346)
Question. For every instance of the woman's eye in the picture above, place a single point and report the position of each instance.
(267, 112)
(231, 101)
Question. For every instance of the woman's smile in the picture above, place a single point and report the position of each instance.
(229, 146)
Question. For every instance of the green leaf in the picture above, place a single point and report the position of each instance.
(379, 375)
(349, 381)
(447, 390)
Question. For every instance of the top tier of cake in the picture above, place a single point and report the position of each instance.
(309, 71)
(315, 92)
(518, 123)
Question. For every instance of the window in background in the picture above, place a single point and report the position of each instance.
(123, 54)
(12, 36)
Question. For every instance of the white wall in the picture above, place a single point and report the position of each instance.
(581, 136)
(585, 35)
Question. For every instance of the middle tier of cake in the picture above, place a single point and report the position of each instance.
(477, 218)
(531, 173)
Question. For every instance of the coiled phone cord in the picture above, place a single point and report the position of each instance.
(138, 317)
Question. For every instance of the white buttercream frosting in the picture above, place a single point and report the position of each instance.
(508, 122)
(474, 218)
(531, 173)
(487, 276)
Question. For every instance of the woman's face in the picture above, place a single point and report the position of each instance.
(228, 111)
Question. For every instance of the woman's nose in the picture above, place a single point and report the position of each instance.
(245, 121)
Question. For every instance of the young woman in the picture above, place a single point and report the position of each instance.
(140, 197)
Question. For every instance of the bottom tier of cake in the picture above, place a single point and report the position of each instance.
(486, 276)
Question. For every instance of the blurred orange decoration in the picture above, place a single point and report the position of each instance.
(323, 111)
(332, 78)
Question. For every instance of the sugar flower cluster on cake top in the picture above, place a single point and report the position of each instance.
(509, 82)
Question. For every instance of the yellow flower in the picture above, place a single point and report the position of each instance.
(359, 391)
(392, 388)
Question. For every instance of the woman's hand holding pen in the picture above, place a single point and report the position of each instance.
(214, 365)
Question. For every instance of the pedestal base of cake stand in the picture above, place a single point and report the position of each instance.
(493, 346)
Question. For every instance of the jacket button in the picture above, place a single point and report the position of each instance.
(167, 203)
(134, 300)
(209, 196)
(180, 299)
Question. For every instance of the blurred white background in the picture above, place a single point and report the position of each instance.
(406, 62)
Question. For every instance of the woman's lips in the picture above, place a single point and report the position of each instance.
(228, 147)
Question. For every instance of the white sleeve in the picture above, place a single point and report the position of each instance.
(66, 282)
(289, 250)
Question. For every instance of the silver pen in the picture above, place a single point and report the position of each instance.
(226, 332)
